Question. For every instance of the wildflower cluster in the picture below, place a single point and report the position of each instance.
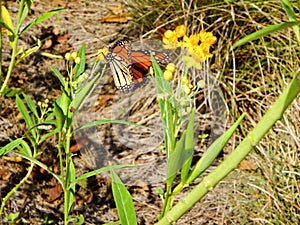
(75, 80)
(74, 56)
(197, 44)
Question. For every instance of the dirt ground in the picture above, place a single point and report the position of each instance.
(78, 24)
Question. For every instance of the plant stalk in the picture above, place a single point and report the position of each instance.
(14, 48)
(12, 191)
(233, 160)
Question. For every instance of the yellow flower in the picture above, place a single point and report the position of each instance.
(68, 56)
(169, 34)
(207, 37)
(171, 67)
(101, 54)
(74, 55)
(184, 80)
(168, 75)
(186, 89)
(77, 60)
(180, 31)
(194, 39)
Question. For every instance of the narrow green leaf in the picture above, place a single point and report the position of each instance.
(60, 117)
(59, 76)
(24, 10)
(25, 148)
(11, 92)
(31, 105)
(163, 87)
(10, 146)
(101, 170)
(292, 16)
(41, 19)
(79, 68)
(123, 201)
(189, 148)
(40, 164)
(26, 116)
(265, 31)
(101, 122)
(85, 91)
(47, 135)
(213, 151)
(71, 175)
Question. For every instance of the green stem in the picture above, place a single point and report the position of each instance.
(68, 176)
(233, 160)
(14, 48)
(5, 199)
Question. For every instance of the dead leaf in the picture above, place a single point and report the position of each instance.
(117, 16)
(247, 165)
(60, 3)
(54, 193)
(62, 39)
(112, 18)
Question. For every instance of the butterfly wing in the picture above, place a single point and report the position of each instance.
(141, 63)
(119, 59)
(130, 67)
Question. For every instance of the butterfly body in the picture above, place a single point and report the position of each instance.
(131, 67)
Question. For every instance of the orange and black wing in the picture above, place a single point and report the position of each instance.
(119, 59)
(141, 63)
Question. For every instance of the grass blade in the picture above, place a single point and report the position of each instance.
(263, 32)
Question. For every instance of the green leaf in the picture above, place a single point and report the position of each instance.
(213, 151)
(101, 170)
(292, 16)
(263, 32)
(31, 105)
(79, 68)
(25, 148)
(123, 200)
(24, 9)
(101, 122)
(64, 102)
(71, 175)
(7, 22)
(9, 92)
(188, 148)
(59, 76)
(182, 154)
(85, 91)
(40, 164)
(26, 116)
(47, 135)
(13, 218)
(41, 19)
(60, 117)
(10, 146)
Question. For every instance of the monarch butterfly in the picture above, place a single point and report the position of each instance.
(130, 67)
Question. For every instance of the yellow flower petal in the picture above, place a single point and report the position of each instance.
(180, 31)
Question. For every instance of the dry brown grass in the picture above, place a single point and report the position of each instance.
(251, 77)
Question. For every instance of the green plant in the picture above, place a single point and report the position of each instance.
(14, 33)
(179, 150)
(57, 119)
